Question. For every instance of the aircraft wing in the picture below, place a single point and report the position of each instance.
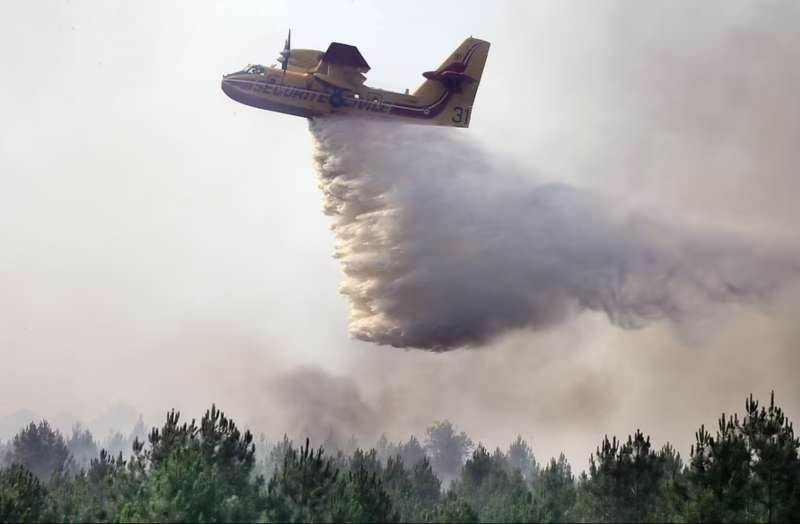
(345, 56)
(342, 66)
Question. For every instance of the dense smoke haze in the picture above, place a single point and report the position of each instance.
(628, 165)
(443, 246)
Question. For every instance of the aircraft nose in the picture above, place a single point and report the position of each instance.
(227, 87)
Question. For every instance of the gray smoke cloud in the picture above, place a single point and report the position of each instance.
(444, 246)
(310, 402)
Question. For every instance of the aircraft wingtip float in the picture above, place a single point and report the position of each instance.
(311, 84)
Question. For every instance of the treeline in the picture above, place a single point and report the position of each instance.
(746, 469)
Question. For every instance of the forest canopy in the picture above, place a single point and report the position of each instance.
(745, 468)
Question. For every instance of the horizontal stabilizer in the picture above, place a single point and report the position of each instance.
(452, 76)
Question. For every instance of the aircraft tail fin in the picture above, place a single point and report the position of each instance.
(459, 75)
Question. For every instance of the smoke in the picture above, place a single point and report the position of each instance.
(689, 108)
(444, 246)
(310, 402)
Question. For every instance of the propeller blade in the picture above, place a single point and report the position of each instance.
(286, 53)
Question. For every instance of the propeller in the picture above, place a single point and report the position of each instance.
(286, 53)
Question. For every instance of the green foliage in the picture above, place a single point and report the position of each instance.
(554, 491)
(455, 509)
(720, 474)
(397, 482)
(520, 457)
(748, 470)
(22, 496)
(675, 487)
(774, 461)
(41, 449)
(411, 452)
(188, 474)
(300, 491)
(98, 494)
(624, 483)
(414, 493)
(426, 487)
(368, 461)
(360, 497)
(201, 473)
(492, 493)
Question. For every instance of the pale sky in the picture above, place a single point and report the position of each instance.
(164, 246)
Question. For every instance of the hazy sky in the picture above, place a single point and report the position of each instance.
(164, 246)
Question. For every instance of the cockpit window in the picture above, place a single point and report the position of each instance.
(254, 70)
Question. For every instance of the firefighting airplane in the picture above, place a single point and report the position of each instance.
(312, 83)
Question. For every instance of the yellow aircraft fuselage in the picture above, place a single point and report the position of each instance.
(445, 98)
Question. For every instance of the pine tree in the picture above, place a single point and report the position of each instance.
(360, 496)
(22, 495)
(425, 485)
(492, 493)
(82, 446)
(749, 470)
(276, 456)
(774, 460)
(447, 449)
(415, 493)
(365, 460)
(555, 491)
(193, 473)
(300, 490)
(98, 494)
(625, 481)
(675, 486)
(520, 457)
(411, 452)
(455, 509)
(40, 449)
(719, 474)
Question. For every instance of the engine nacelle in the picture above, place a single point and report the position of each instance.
(304, 59)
